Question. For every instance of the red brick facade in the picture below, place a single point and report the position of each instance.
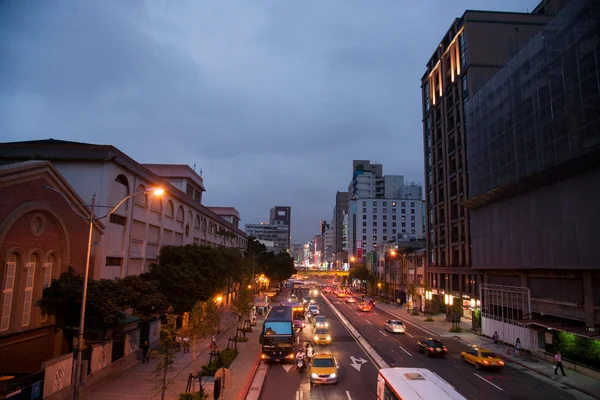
(38, 232)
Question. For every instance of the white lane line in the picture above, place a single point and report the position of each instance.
(409, 334)
(348, 395)
(368, 322)
(382, 332)
(483, 379)
(404, 350)
(375, 313)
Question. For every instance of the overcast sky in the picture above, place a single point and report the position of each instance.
(271, 99)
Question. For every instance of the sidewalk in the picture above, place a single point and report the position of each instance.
(138, 381)
(440, 327)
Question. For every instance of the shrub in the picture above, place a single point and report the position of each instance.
(192, 396)
(225, 359)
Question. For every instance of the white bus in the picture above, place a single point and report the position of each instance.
(413, 383)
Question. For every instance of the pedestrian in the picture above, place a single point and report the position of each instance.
(178, 340)
(518, 347)
(495, 338)
(558, 364)
(213, 342)
(186, 344)
(145, 349)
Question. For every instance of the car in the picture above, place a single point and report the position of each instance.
(395, 326)
(350, 299)
(306, 300)
(321, 322)
(341, 294)
(327, 290)
(293, 299)
(322, 336)
(313, 309)
(482, 358)
(323, 368)
(432, 347)
(364, 307)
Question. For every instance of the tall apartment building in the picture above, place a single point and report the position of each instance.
(318, 250)
(471, 52)
(282, 215)
(533, 140)
(340, 253)
(277, 233)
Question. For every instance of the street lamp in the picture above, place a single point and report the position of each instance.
(219, 301)
(78, 362)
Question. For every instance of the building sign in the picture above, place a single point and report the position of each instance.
(359, 250)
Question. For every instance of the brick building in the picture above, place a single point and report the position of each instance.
(40, 236)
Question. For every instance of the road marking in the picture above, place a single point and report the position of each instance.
(348, 395)
(404, 350)
(299, 395)
(382, 332)
(368, 322)
(287, 367)
(409, 334)
(482, 378)
(375, 313)
(357, 362)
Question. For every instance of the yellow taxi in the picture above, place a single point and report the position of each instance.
(324, 368)
(322, 336)
(482, 358)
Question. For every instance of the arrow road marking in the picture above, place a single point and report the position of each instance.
(357, 362)
(287, 367)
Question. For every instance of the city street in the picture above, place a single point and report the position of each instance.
(358, 374)
(400, 350)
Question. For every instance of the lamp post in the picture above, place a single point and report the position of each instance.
(91, 219)
(219, 301)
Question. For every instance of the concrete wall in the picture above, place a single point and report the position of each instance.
(508, 333)
(58, 374)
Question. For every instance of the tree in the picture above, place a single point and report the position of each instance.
(278, 267)
(204, 317)
(361, 273)
(243, 303)
(165, 353)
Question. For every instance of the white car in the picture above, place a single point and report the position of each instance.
(395, 326)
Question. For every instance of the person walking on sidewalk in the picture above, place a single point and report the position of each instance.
(145, 349)
(213, 343)
(495, 338)
(518, 348)
(558, 364)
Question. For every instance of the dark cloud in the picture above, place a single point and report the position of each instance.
(272, 99)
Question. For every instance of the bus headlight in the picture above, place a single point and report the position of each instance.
(328, 338)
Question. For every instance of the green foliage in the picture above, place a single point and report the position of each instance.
(225, 359)
(190, 273)
(165, 353)
(254, 247)
(204, 318)
(192, 396)
(243, 302)
(576, 348)
(107, 300)
(278, 267)
(412, 290)
(361, 273)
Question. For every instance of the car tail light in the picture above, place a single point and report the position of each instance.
(486, 362)
(445, 349)
(430, 348)
(263, 356)
(290, 356)
(501, 362)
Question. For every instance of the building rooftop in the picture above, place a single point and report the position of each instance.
(176, 171)
(226, 211)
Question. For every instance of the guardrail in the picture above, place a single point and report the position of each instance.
(375, 357)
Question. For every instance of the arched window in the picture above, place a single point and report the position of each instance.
(170, 211)
(120, 191)
(7, 291)
(190, 217)
(141, 199)
(179, 214)
(204, 225)
(197, 222)
(156, 204)
(47, 270)
(30, 268)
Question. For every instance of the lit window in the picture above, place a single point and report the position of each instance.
(28, 295)
(7, 292)
(394, 203)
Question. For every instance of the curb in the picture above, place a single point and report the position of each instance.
(249, 380)
(370, 351)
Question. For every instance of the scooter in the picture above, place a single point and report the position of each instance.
(300, 365)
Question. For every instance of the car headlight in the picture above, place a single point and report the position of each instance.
(326, 323)
(314, 376)
(328, 337)
(334, 375)
(316, 338)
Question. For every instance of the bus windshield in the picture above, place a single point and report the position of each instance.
(278, 328)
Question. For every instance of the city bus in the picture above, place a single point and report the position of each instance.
(413, 383)
(278, 337)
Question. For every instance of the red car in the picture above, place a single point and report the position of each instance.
(365, 307)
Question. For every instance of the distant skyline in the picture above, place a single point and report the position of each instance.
(271, 99)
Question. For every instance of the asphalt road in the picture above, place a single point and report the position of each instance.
(400, 350)
(356, 382)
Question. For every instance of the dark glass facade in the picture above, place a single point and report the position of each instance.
(543, 107)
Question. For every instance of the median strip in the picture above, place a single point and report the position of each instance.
(370, 351)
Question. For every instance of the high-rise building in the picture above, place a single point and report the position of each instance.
(277, 233)
(533, 141)
(340, 252)
(472, 51)
(282, 215)
(381, 209)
